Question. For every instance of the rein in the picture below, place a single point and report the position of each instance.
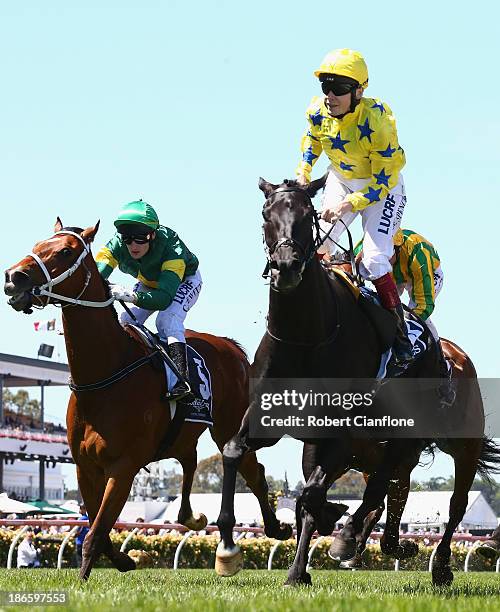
(46, 289)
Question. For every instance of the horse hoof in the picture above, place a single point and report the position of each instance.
(488, 551)
(342, 549)
(125, 563)
(442, 576)
(303, 580)
(356, 563)
(228, 561)
(407, 550)
(196, 522)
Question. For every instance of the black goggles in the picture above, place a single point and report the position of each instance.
(338, 89)
(139, 239)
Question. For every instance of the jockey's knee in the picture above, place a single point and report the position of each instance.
(170, 328)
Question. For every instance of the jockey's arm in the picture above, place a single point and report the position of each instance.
(160, 297)
(310, 146)
(107, 258)
(421, 274)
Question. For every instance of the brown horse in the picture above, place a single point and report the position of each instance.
(471, 456)
(114, 431)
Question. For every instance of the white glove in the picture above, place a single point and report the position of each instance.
(123, 293)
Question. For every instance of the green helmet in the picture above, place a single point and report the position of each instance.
(140, 213)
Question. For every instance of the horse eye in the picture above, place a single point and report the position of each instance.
(66, 252)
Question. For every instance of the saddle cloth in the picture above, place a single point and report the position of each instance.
(200, 406)
(418, 333)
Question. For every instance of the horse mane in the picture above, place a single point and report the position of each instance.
(237, 345)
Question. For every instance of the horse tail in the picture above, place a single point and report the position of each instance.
(489, 461)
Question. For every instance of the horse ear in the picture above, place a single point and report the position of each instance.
(315, 186)
(89, 234)
(266, 187)
(58, 225)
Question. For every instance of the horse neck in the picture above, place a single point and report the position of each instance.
(308, 313)
(96, 343)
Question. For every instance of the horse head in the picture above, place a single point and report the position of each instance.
(58, 260)
(289, 219)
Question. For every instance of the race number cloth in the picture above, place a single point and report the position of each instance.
(418, 333)
(200, 406)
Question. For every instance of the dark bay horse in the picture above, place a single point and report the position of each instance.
(315, 330)
(113, 432)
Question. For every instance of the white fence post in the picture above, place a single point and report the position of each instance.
(271, 555)
(468, 555)
(179, 548)
(13, 545)
(128, 538)
(433, 554)
(311, 550)
(67, 538)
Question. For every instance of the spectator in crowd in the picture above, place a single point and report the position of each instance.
(27, 554)
(80, 535)
(141, 531)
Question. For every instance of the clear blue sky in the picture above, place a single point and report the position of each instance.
(187, 104)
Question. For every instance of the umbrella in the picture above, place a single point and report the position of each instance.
(44, 507)
(9, 506)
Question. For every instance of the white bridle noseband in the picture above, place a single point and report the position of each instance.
(46, 289)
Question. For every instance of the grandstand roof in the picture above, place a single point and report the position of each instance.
(28, 372)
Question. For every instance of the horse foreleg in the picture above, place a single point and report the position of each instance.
(369, 523)
(117, 489)
(193, 521)
(345, 544)
(466, 461)
(228, 557)
(255, 477)
(91, 484)
(298, 574)
(397, 496)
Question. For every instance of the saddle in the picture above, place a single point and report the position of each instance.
(198, 408)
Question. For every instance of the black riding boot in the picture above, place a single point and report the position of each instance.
(178, 353)
(446, 390)
(402, 348)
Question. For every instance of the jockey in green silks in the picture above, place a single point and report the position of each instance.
(169, 280)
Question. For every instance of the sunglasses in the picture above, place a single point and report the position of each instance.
(338, 89)
(140, 239)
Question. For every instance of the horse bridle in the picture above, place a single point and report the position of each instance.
(45, 290)
(316, 242)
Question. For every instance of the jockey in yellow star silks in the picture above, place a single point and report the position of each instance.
(359, 136)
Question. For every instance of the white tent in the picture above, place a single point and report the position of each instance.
(12, 506)
(147, 510)
(246, 507)
(432, 509)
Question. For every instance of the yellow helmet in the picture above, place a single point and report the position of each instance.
(345, 62)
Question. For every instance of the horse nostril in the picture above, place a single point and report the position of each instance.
(19, 279)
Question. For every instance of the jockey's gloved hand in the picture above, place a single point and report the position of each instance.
(123, 293)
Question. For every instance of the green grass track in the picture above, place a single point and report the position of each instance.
(202, 590)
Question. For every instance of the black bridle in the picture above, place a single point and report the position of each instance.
(306, 253)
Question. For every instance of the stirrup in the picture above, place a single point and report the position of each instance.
(179, 392)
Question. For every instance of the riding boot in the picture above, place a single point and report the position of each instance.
(389, 298)
(181, 389)
(446, 390)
